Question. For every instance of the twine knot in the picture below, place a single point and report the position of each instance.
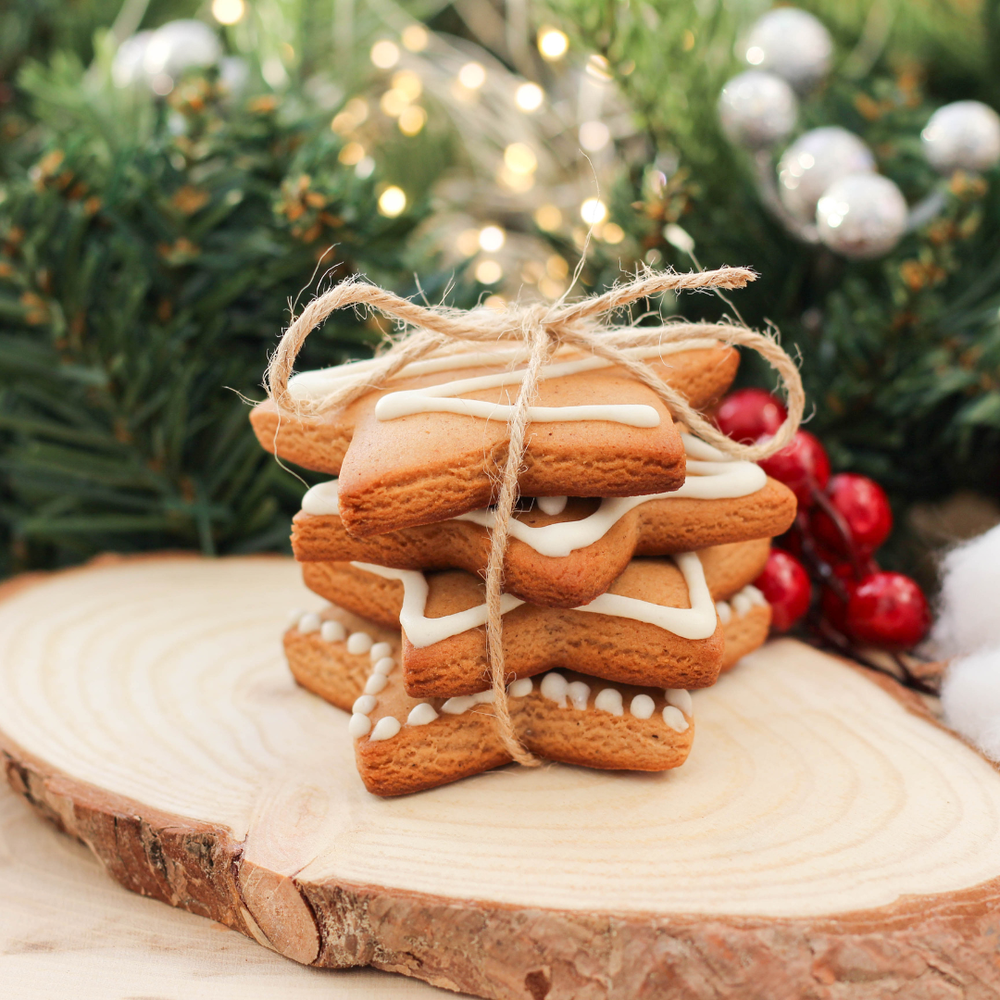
(542, 330)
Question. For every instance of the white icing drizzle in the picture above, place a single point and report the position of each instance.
(309, 622)
(380, 650)
(375, 683)
(674, 718)
(521, 687)
(360, 725)
(697, 622)
(358, 643)
(333, 631)
(554, 688)
(710, 476)
(386, 727)
(384, 665)
(578, 693)
(552, 505)
(679, 698)
(609, 700)
(642, 706)
(421, 715)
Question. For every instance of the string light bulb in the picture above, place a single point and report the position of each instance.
(228, 11)
(415, 38)
(529, 97)
(392, 202)
(519, 158)
(472, 75)
(553, 44)
(384, 54)
(593, 211)
(488, 272)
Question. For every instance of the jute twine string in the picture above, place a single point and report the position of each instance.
(542, 330)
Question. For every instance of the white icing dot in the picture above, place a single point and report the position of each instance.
(421, 714)
(674, 718)
(333, 632)
(521, 688)
(679, 698)
(578, 694)
(309, 623)
(385, 665)
(642, 706)
(360, 725)
(724, 611)
(295, 614)
(484, 697)
(552, 505)
(741, 603)
(379, 651)
(359, 642)
(458, 704)
(609, 700)
(364, 704)
(554, 687)
(375, 683)
(385, 729)
(756, 596)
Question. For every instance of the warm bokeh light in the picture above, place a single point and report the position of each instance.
(393, 102)
(548, 218)
(552, 43)
(415, 38)
(551, 289)
(497, 302)
(556, 267)
(392, 201)
(412, 119)
(529, 97)
(593, 211)
(352, 154)
(488, 272)
(491, 238)
(468, 242)
(472, 75)
(228, 11)
(365, 168)
(519, 158)
(594, 136)
(408, 83)
(613, 233)
(385, 54)
(598, 68)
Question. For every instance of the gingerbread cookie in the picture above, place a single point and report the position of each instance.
(403, 744)
(657, 625)
(430, 446)
(564, 552)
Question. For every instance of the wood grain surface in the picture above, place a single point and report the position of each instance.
(825, 840)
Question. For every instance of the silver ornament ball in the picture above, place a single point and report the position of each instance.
(757, 109)
(962, 136)
(791, 43)
(862, 216)
(814, 161)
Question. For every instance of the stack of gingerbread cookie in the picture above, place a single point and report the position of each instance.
(627, 578)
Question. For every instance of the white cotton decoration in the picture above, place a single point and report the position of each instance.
(970, 697)
(967, 609)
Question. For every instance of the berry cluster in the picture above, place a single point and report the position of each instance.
(842, 521)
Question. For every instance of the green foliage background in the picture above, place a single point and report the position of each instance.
(149, 250)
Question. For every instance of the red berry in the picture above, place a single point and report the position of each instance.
(749, 414)
(863, 505)
(786, 586)
(888, 610)
(802, 465)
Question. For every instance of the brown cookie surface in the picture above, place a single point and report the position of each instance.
(537, 638)
(657, 527)
(428, 466)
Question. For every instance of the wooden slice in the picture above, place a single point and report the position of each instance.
(826, 839)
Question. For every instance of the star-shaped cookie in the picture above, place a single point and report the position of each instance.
(658, 624)
(431, 444)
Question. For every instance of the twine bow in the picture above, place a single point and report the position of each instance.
(542, 330)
